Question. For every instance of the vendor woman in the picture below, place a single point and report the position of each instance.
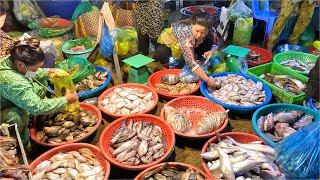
(20, 92)
(193, 38)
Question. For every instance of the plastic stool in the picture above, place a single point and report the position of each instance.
(265, 15)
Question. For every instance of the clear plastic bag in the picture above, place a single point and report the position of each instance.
(25, 12)
(187, 76)
(239, 9)
(242, 31)
(298, 154)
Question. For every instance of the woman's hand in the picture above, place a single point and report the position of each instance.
(71, 97)
(207, 54)
(211, 83)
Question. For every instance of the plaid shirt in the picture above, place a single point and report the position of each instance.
(183, 34)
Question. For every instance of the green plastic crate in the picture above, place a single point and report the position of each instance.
(300, 56)
(277, 69)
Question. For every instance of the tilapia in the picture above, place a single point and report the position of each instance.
(237, 90)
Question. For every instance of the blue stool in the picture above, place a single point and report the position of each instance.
(265, 15)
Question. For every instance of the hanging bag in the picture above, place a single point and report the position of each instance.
(242, 32)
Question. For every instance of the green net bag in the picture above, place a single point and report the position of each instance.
(242, 31)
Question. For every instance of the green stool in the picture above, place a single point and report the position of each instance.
(138, 72)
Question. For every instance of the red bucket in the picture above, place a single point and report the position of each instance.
(265, 55)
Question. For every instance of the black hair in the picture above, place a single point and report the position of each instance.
(2, 10)
(202, 18)
(30, 54)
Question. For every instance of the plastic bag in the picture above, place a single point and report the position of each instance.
(239, 9)
(48, 47)
(25, 12)
(126, 41)
(187, 76)
(107, 41)
(242, 31)
(298, 154)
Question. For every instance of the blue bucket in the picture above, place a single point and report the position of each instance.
(274, 108)
(63, 9)
(233, 108)
(94, 92)
(312, 106)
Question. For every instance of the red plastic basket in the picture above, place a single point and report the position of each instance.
(195, 102)
(172, 164)
(129, 85)
(109, 131)
(84, 106)
(266, 56)
(313, 50)
(238, 136)
(155, 78)
(74, 147)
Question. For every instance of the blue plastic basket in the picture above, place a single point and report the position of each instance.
(293, 48)
(97, 91)
(81, 54)
(275, 108)
(312, 106)
(233, 108)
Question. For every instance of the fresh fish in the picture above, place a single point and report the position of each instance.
(283, 130)
(245, 166)
(257, 147)
(124, 146)
(273, 137)
(303, 121)
(211, 122)
(287, 117)
(297, 65)
(260, 123)
(268, 122)
(177, 120)
(225, 165)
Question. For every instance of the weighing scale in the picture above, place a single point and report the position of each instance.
(138, 72)
(236, 58)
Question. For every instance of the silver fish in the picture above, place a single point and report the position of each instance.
(225, 165)
(245, 166)
(303, 121)
(287, 117)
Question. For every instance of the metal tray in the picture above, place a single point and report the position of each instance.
(22, 158)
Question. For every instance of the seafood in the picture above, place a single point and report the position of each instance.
(91, 82)
(285, 82)
(62, 127)
(253, 56)
(277, 126)
(298, 65)
(172, 172)
(237, 90)
(73, 70)
(179, 88)
(229, 159)
(79, 164)
(77, 48)
(9, 160)
(125, 101)
(137, 143)
(179, 120)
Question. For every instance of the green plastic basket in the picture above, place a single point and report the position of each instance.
(281, 95)
(87, 42)
(85, 68)
(300, 56)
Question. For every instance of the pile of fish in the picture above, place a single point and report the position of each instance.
(125, 101)
(231, 160)
(177, 172)
(77, 48)
(92, 81)
(179, 88)
(298, 65)
(138, 143)
(62, 127)
(285, 82)
(253, 56)
(181, 122)
(280, 125)
(239, 91)
(79, 165)
(9, 162)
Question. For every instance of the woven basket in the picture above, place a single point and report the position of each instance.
(110, 130)
(188, 102)
(87, 25)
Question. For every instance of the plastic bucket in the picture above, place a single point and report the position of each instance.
(63, 9)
